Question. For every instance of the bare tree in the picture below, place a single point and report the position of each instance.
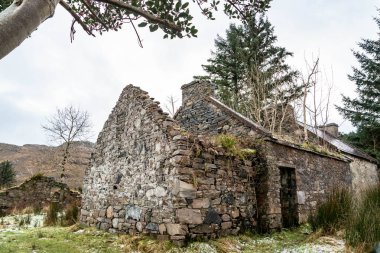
(268, 102)
(66, 126)
(315, 103)
(171, 106)
(309, 81)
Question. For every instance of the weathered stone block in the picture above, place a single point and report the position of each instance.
(102, 213)
(183, 189)
(139, 226)
(176, 229)
(163, 237)
(104, 226)
(226, 225)
(301, 198)
(115, 222)
(84, 212)
(201, 203)
(156, 192)
(203, 229)
(226, 217)
(152, 226)
(162, 229)
(212, 217)
(235, 213)
(133, 212)
(189, 216)
(109, 212)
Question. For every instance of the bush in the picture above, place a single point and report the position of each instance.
(71, 215)
(51, 218)
(363, 229)
(332, 214)
(7, 174)
(37, 176)
(228, 142)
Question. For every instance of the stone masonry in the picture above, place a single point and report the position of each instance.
(37, 193)
(315, 174)
(149, 176)
(152, 174)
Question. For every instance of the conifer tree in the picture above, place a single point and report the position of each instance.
(7, 174)
(364, 110)
(247, 58)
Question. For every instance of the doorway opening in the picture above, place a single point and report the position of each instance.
(288, 197)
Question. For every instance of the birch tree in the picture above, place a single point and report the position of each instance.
(66, 126)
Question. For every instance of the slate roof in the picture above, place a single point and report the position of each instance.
(340, 144)
(239, 116)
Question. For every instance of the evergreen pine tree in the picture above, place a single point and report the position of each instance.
(246, 58)
(364, 110)
(7, 174)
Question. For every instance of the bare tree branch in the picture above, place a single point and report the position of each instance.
(150, 17)
(93, 14)
(76, 17)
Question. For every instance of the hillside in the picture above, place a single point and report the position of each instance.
(31, 159)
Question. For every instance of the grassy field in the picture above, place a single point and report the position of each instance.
(75, 239)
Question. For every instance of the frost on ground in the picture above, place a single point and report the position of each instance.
(78, 239)
(321, 245)
(22, 221)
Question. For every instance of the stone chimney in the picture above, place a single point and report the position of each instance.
(195, 91)
(331, 129)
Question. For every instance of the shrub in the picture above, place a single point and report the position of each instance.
(51, 218)
(7, 174)
(332, 214)
(227, 141)
(363, 229)
(71, 215)
(230, 143)
(37, 176)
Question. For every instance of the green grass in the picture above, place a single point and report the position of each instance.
(333, 214)
(359, 219)
(58, 240)
(69, 240)
(363, 229)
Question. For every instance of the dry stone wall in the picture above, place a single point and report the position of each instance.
(129, 178)
(316, 175)
(147, 175)
(216, 190)
(37, 193)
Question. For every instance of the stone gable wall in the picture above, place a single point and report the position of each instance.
(148, 175)
(130, 171)
(202, 117)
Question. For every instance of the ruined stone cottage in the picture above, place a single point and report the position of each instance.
(157, 175)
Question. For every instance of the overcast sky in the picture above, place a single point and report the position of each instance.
(48, 72)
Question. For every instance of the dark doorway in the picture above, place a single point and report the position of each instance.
(288, 194)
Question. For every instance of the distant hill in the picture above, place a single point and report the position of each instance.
(31, 159)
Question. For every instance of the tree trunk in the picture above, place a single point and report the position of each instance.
(20, 19)
(66, 154)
